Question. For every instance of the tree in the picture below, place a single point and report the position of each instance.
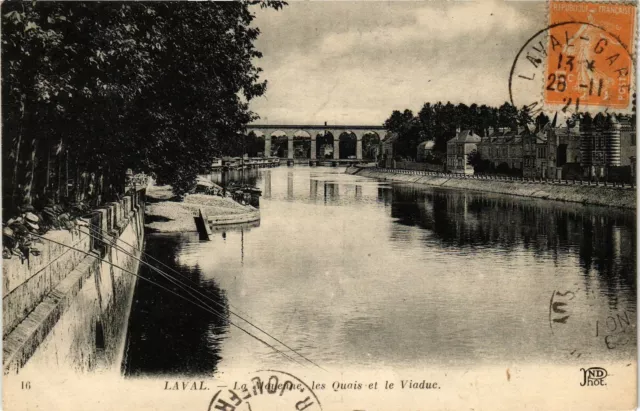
(486, 120)
(408, 129)
(427, 121)
(104, 86)
(541, 121)
(474, 158)
(508, 116)
(524, 116)
(438, 123)
(503, 168)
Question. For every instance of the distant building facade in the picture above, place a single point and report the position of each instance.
(502, 146)
(607, 144)
(563, 149)
(458, 148)
(628, 145)
(575, 148)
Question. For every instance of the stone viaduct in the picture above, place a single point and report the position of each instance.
(273, 133)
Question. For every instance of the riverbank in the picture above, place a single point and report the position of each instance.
(165, 215)
(600, 195)
(69, 304)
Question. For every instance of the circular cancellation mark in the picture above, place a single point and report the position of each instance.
(267, 389)
(573, 67)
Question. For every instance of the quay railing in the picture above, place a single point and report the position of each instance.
(528, 180)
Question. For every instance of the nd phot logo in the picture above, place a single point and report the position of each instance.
(593, 376)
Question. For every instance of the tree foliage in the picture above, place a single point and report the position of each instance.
(438, 122)
(159, 87)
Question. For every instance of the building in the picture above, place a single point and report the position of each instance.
(600, 144)
(563, 149)
(425, 151)
(626, 171)
(458, 148)
(534, 152)
(502, 147)
(627, 142)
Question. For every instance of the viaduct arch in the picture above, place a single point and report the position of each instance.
(271, 133)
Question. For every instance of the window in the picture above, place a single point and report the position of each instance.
(598, 157)
(542, 152)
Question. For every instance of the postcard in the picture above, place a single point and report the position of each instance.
(338, 206)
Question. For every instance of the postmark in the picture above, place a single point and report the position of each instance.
(583, 61)
(266, 389)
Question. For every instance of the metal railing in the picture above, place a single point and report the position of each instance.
(528, 180)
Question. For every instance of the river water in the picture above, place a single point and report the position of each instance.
(357, 273)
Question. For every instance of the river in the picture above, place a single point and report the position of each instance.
(357, 273)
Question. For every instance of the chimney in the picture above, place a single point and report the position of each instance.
(576, 125)
(490, 130)
(457, 130)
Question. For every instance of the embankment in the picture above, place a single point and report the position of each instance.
(596, 195)
(68, 307)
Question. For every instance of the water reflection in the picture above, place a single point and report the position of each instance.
(168, 335)
(357, 272)
(331, 192)
(249, 176)
(290, 185)
(266, 176)
(313, 189)
(603, 239)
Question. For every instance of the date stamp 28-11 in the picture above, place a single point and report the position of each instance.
(582, 61)
(589, 62)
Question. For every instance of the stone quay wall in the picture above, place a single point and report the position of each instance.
(68, 307)
(561, 190)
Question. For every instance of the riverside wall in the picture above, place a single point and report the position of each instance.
(68, 308)
(567, 191)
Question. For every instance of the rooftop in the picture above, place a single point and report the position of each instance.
(465, 136)
(427, 145)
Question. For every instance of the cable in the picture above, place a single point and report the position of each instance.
(172, 279)
(172, 292)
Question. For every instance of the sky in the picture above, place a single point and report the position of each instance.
(354, 62)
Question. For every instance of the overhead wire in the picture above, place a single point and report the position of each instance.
(197, 290)
(172, 292)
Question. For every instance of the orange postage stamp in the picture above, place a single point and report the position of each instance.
(590, 55)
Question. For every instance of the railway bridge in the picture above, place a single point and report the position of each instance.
(319, 142)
